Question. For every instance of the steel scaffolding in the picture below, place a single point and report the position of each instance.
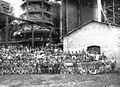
(111, 9)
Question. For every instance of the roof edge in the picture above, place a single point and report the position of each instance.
(86, 24)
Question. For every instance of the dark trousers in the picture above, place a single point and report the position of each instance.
(112, 66)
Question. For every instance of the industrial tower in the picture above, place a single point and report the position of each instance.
(77, 12)
(39, 11)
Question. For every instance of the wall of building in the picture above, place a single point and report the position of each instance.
(94, 34)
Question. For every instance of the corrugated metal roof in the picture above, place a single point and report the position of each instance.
(11, 18)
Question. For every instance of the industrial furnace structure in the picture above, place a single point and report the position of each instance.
(40, 12)
(77, 12)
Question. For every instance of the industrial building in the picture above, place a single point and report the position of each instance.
(38, 25)
(97, 35)
(102, 34)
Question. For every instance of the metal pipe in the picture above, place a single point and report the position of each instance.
(61, 19)
(66, 16)
(113, 11)
(99, 8)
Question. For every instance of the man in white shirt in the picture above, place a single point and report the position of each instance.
(97, 56)
(113, 63)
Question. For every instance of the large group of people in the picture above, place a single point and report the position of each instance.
(41, 60)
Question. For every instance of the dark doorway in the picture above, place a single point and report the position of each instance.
(93, 49)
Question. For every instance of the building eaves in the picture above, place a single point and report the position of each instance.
(70, 32)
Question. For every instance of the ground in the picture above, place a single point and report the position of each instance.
(102, 80)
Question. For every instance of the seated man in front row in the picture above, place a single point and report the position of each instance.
(103, 57)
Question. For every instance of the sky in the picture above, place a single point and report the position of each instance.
(16, 5)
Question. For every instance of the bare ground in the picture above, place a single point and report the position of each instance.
(77, 80)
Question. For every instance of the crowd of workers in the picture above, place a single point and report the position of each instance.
(27, 60)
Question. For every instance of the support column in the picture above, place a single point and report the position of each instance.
(51, 36)
(6, 31)
(32, 36)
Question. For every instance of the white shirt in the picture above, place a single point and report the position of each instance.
(97, 57)
(55, 50)
(112, 60)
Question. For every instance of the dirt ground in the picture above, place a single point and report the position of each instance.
(77, 80)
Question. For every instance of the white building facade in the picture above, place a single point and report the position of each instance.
(94, 33)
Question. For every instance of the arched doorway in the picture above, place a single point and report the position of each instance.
(93, 49)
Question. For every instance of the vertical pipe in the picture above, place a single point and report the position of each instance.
(51, 30)
(66, 7)
(42, 19)
(65, 1)
(113, 11)
(66, 16)
(99, 8)
(61, 19)
(6, 30)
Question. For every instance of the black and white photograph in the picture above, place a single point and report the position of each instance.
(59, 43)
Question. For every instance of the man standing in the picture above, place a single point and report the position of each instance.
(113, 64)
